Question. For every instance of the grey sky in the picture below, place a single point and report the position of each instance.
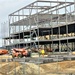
(7, 7)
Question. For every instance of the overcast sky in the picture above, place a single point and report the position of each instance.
(7, 7)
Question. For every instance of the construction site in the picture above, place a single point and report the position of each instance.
(41, 40)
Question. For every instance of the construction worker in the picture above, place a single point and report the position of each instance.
(42, 52)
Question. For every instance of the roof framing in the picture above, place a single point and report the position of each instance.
(32, 5)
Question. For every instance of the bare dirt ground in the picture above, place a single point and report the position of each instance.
(56, 68)
(5, 56)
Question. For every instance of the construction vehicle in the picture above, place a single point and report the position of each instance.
(3, 51)
(20, 52)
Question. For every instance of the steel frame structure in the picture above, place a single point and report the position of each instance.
(41, 16)
(41, 13)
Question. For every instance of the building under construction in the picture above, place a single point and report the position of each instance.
(47, 24)
(43, 23)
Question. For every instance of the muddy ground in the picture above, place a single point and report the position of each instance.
(55, 68)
